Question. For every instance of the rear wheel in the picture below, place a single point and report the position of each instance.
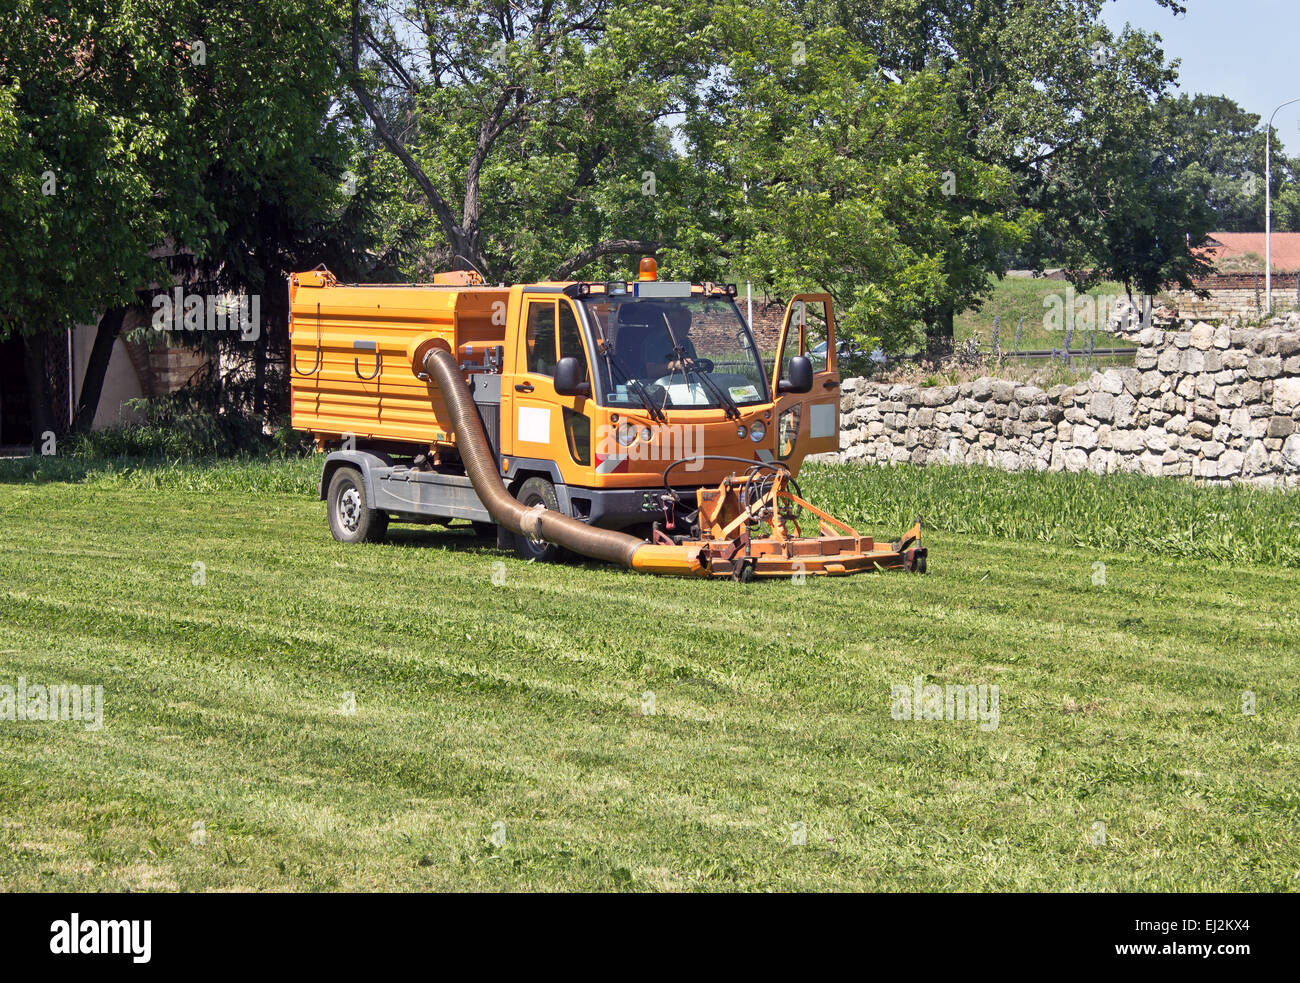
(533, 492)
(352, 520)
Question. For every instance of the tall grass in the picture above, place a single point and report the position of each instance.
(1118, 512)
(1132, 513)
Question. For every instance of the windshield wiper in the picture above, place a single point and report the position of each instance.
(688, 365)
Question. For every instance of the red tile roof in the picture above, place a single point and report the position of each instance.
(1235, 245)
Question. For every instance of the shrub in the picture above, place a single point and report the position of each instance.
(189, 423)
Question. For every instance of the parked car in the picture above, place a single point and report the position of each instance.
(851, 357)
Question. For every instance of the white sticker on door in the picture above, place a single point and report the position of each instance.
(534, 424)
(822, 421)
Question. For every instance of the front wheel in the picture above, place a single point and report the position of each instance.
(533, 492)
(352, 520)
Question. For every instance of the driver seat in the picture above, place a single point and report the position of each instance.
(642, 337)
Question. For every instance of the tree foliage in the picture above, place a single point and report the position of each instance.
(1069, 108)
(831, 176)
(1219, 150)
(94, 115)
(535, 131)
(894, 153)
(284, 181)
(153, 141)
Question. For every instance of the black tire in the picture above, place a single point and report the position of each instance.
(538, 491)
(352, 520)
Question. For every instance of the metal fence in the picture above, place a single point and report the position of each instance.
(1087, 351)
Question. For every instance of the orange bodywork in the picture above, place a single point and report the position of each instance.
(359, 355)
(352, 349)
(356, 352)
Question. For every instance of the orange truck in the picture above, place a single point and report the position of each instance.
(635, 422)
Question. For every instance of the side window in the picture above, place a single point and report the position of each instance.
(577, 431)
(794, 336)
(815, 336)
(570, 336)
(807, 335)
(540, 338)
(577, 426)
(787, 430)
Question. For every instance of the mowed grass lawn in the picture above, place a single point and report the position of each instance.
(492, 691)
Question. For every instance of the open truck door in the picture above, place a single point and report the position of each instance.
(807, 422)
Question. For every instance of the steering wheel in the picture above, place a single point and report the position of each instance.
(704, 364)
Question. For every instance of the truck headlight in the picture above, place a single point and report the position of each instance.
(741, 431)
(757, 431)
(626, 433)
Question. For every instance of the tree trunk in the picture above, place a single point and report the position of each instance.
(92, 384)
(38, 389)
(939, 337)
(259, 373)
(275, 339)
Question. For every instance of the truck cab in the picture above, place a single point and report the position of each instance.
(614, 390)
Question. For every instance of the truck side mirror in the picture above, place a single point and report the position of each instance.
(568, 378)
(798, 377)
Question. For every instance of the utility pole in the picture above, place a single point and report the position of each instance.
(1268, 208)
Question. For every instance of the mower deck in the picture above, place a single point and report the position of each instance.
(749, 528)
(830, 556)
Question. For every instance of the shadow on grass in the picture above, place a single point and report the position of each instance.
(462, 538)
(459, 538)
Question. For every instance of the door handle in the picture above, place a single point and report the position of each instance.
(523, 387)
(830, 384)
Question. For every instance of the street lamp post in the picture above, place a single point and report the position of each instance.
(1268, 207)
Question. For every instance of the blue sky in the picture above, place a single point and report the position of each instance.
(1244, 49)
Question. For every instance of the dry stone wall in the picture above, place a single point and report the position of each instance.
(1213, 404)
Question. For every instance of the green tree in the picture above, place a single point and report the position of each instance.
(202, 132)
(834, 177)
(93, 137)
(536, 132)
(1219, 148)
(1051, 95)
(286, 186)
(1120, 206)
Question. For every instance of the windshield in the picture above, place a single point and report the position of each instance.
(688, 353)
